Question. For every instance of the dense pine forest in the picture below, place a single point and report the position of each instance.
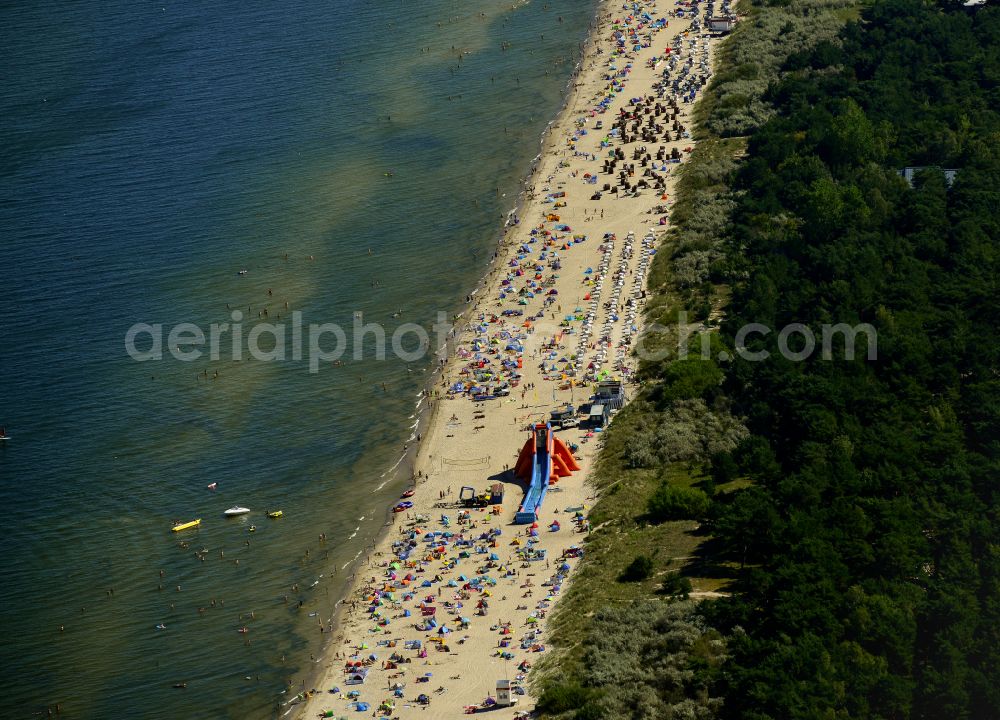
(869, 540)
(849, 506)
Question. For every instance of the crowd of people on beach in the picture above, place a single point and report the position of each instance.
(495, 342)
(563, 309)
(436, 586)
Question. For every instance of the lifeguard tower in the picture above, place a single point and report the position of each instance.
(504, 696)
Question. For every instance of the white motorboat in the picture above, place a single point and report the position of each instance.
(236, 510)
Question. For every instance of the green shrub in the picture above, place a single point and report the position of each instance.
(638, 570)
(668, 670)
(639, 451)
(676, 586)
(689, 430)
(590, 711)
(563, 697)
(724, 468)
(676, 503)
(690, 378)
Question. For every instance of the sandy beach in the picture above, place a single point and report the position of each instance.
(558, 312)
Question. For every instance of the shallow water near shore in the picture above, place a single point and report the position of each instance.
(150, 153)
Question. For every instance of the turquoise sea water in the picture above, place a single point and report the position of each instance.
(149, 152)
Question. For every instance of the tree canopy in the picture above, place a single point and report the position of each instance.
(869, 539)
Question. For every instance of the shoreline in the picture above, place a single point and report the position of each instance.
(427, 416)
(420, 458)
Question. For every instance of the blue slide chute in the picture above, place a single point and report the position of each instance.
(538, 451)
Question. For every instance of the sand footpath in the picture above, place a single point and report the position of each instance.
(559, 311)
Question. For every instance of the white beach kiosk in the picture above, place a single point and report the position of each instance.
(504, 696)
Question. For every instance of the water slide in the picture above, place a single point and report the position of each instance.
(544, 459)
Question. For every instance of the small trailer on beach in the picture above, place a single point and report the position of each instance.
(564, 417)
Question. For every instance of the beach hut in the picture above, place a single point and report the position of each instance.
(598, 416)
(721, 24)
